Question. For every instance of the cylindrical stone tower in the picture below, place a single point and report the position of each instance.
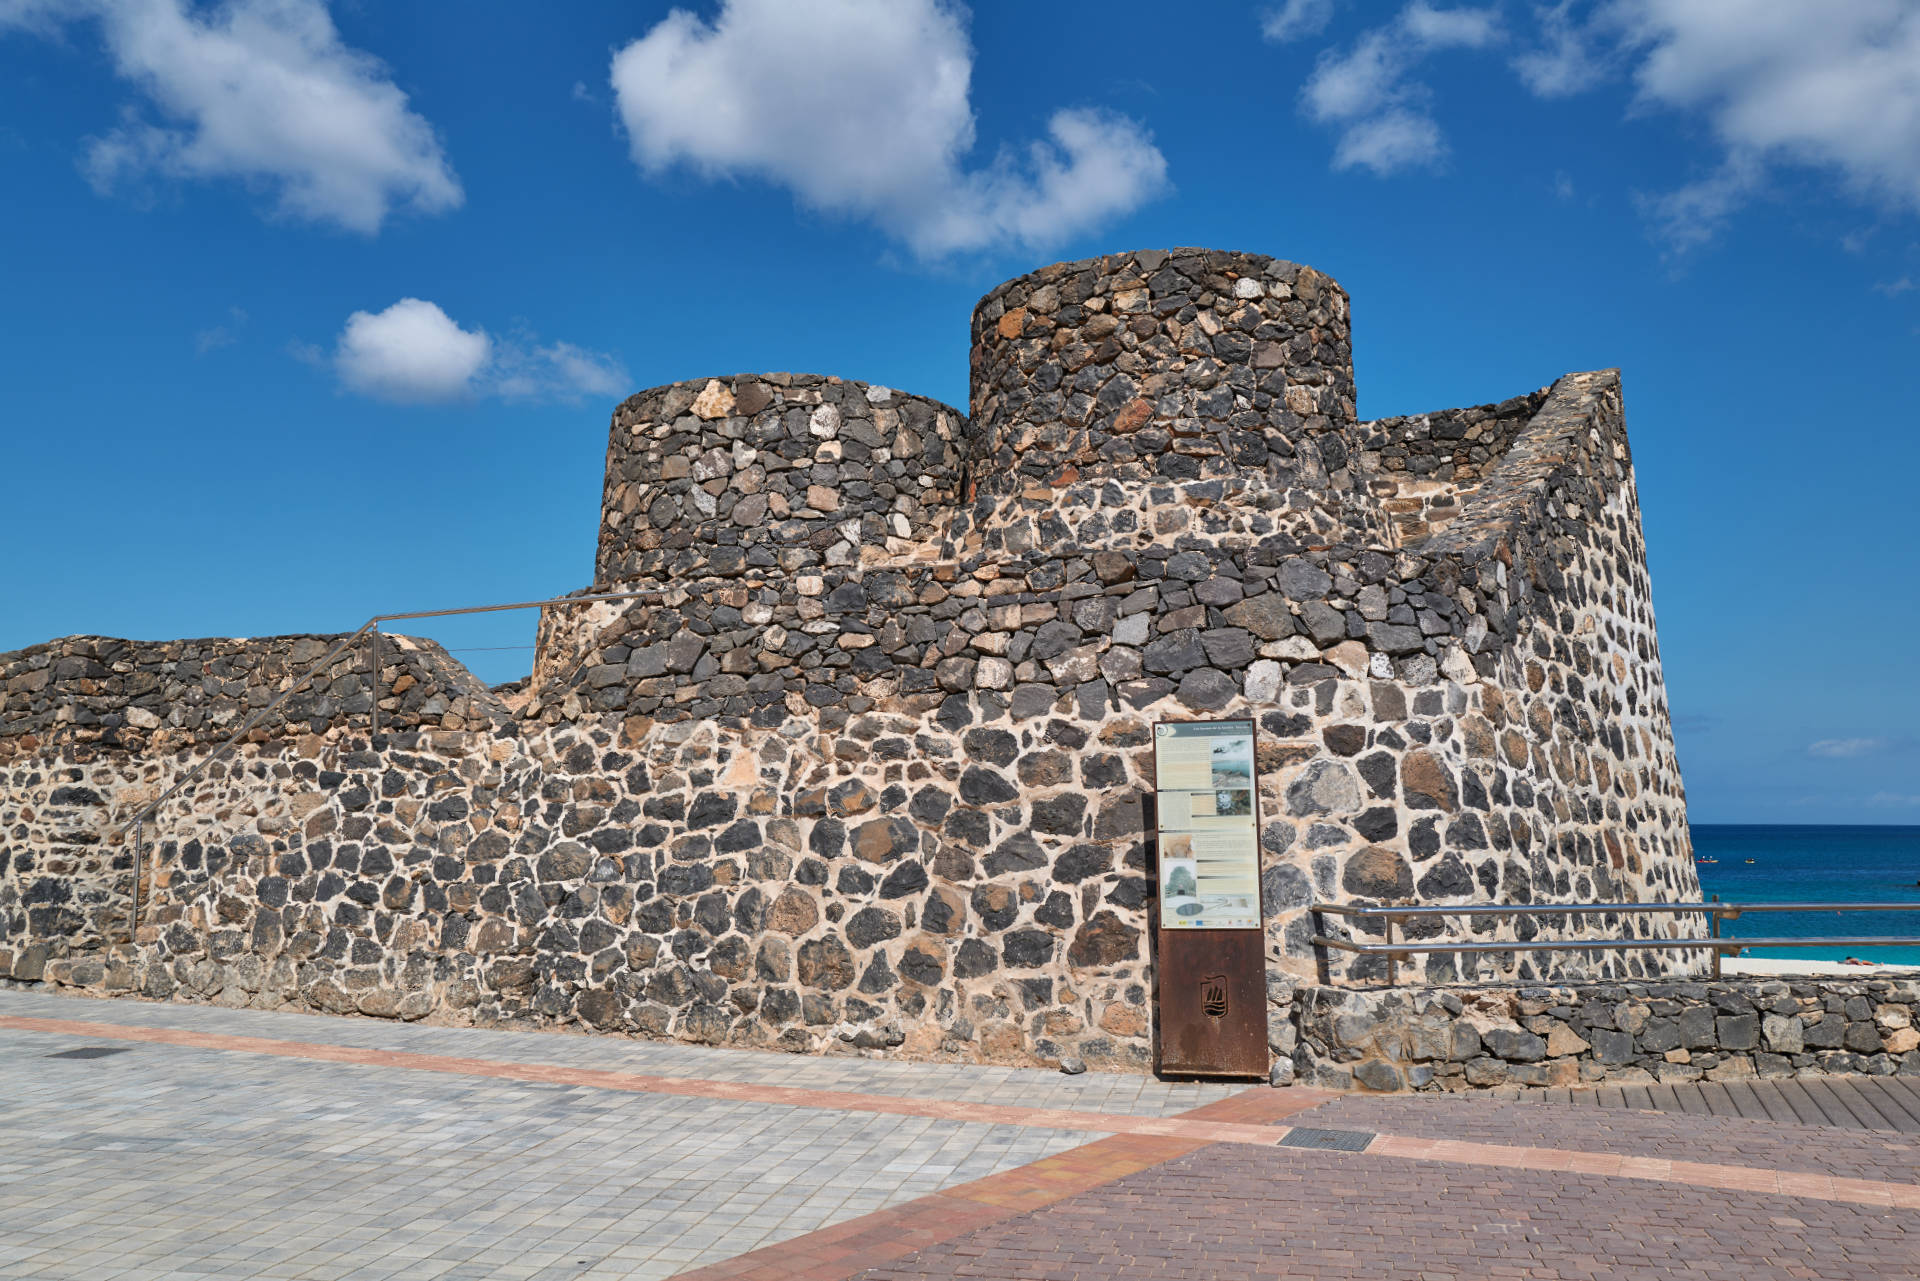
(716, 477)
(1105, 390)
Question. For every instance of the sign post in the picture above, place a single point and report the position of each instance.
(1212, 972)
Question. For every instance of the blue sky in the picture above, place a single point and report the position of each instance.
(313, 312)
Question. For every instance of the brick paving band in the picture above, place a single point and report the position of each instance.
(1200, 1130)
(885, 1236)
(1822, 1149)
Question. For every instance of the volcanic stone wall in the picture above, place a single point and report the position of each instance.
(1186, 397)
(1469, 1038)
(724, 477)
(94, 729)
(867, 765)
(155, 696)
(1423, 469)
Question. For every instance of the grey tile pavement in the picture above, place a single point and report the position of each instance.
(177, 1162)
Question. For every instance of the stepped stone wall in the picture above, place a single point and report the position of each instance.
(867, 767)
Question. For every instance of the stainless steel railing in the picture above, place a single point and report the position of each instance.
(1713, 909)
(369, 629)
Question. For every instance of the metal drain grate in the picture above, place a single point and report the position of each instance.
(90, 1052)
(1329, 1140)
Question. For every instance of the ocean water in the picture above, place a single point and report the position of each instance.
(1753, 864)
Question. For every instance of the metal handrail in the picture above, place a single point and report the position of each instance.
(1727, 910)
(139, 821)
(1718, 944)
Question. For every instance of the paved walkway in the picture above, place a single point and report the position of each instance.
(1854, 1103)
(191, 1141)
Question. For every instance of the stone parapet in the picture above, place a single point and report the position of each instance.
(160, 696)
(1489, 1037)
(1424, 469)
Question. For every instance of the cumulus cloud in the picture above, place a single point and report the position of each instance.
(414, 353)
(1833, 86)
(262, 91)
(1296, 20)
(862, 109)
(1365, 91)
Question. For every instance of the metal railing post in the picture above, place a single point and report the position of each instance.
(373, 682)
(139, 857)
(1393, 957)
(1713, 931)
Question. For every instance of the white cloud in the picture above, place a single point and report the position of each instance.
(1345, 87)
(262, 91)
(1894, 798)
(1692, 215)
(1296, 20)
(1433, 28)
(414, 353)
(862, 109)
(1382, 116)
(522, 369)
(1894, 288)
(1562, 185)
(1399, 139)
(1833, 86)
(1569, 57)
(1846, 747)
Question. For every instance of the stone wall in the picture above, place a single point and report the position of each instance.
(96, 729)
(1424, 468)
(1615, 1034)
(772, 474)
(1479, 717)
(867, 765)
(157, 696)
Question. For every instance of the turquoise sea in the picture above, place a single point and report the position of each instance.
(1752, 864)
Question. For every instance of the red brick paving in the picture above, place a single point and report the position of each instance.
(1235, 1212)
(1859, 1154)
(839, 1252)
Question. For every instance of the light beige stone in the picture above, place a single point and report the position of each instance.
(714, 401)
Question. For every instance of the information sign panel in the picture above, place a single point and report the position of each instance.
(1209, 831)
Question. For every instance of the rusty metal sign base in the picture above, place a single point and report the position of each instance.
(1212, 999)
